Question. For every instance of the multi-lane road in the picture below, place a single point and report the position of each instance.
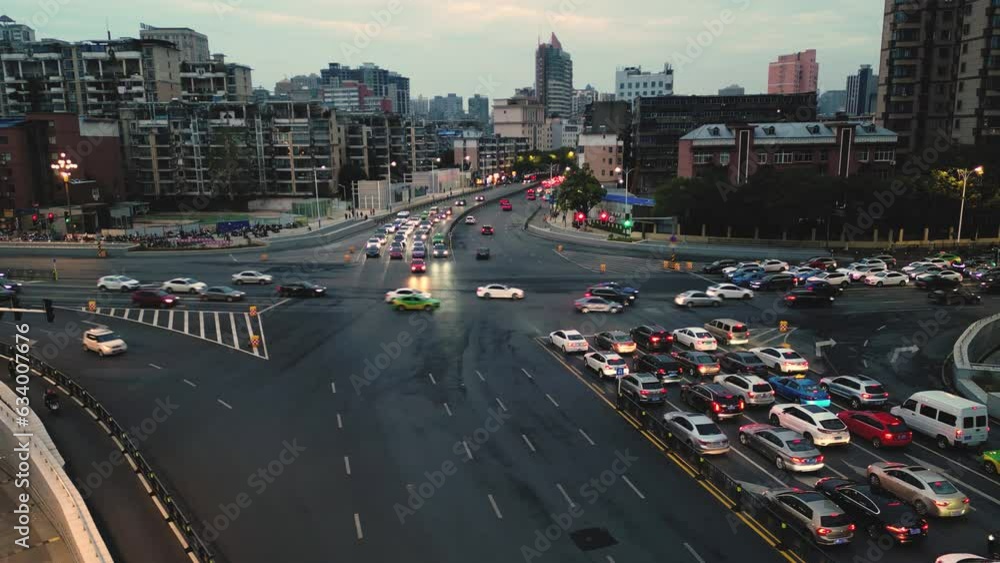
(363, 433)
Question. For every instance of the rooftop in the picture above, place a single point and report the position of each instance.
(791, 131)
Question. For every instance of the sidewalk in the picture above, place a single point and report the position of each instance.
(45, 544)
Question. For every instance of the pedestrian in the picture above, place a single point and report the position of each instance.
(345, 216)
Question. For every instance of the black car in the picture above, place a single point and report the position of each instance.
(661, 365)
(712, 399)
(717, 266)
(372, 252)
(11, 285)
(956, 296)
(874, 511)
(460, 203)
(805, 298)
(990, 286)
(743, 362)
(780, 281)
(301, 289)
(483, 254)
(652, 337)
(935, 281)
(824, 288)
(610, 294)
(697, 363)
(632, 292)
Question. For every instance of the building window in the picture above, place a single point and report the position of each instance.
(724, 159)
(885, 156)
(702, 158)
(5, 157)
(942, 70)
(966, 29)
(761, 158)
(958, 106)
(944, 52)
(946, 34)
(803, 157)
(823, 156)
(783, 158)
(965, 48)
(958, 124)
(961, 86)
(862, 156)
(962, 68)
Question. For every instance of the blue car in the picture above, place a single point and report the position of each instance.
(803, 275)
(632, 292)
(801, 390)
(744, 280)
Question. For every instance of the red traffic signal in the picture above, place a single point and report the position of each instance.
(51, 216)
(604, 215)
(580, 217)
(34, 218)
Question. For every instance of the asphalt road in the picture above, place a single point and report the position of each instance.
(377, 435)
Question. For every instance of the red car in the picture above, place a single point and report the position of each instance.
(486, 230)
(418, 266)
(506, 206)
(153, 298)
(879, 428)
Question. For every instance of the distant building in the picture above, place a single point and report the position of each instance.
(561, 133)
(603, 152)
(446, 108)
(421, 106)
(521, 118)
(193, 45)
(631, 82)
(840, 149)
(732, 90)
(862, 92)
(386, 84)
(832, 102)
(487, 153)
(659, 123)
(215, 81)
(526, 92)
(582, 99)
(554, 78)
(260, 95)
(479, 109)
(797, 73)
(15, 34)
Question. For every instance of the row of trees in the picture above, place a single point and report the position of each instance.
(543, 161)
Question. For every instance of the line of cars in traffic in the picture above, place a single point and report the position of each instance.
(411, 299)
(166, 294)
(895, 500)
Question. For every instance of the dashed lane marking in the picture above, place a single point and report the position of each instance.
(189, 382)
(634, 488)
(587, 438)
(496, 509)
(155, 366)
(225, 404)
(501, 405)
(447, 409)
(527, 441)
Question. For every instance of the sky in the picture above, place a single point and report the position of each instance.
(477, 47)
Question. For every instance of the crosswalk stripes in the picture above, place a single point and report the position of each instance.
(232, 330)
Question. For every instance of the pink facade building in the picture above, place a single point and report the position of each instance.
(797, 73)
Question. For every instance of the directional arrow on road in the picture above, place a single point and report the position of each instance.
(900, 350)
(823, 344)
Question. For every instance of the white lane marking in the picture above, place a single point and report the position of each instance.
(155, 366)
(201, 323)
(552, 400)
(266, 309)
(480, 376)
(191, 383)
(333, 387)
(225, 404)
(865, 345)
(565, 495)
(156, 317)
(186, 322)
(864, 362)
(503, 407)
(693, 553)
(527, 441)
(587, 437)
(170, 320)
(447, 409)
(232, 325)
(357, 526)
(431, 375)
(124, 314)
(467, 450)
(496, 509)
(347, 464)
(526, 373)
(880, 328)
(218, 329)
(629, 482)
(113, 312)
(340, 422)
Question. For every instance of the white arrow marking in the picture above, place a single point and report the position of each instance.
(900, 350)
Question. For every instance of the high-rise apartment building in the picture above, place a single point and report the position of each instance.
(421, 106)
(446, 108)
(862, 91)
(554, 78)
(384, 83)
(215, 81)
(797, 73)
(14, 33)
(940, 73)
(193, 45)
(631, 82)
(582, 99)
(479, 109)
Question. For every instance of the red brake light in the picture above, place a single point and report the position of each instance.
(887, 436)
(716, 407)
(851, 527)
(661, 371)
(742, 405)
(925, 526)
(751, 394)
(866, 396)
(789, 298)
(965, 500)
(822, 531)
(819, 459)
(587, 294)
(730, 336)
(654, 339)
(644, 392)
(941, 502)
(702, 369)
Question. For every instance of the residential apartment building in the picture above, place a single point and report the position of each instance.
(940, 73)
(374, 142)
(487, 154)
(554, 78)
(215, 81)
(384, 83)
(89, 77)
(631, 82)
(862, 91)
(521, 118)
(797, 73)
(659, 123)
(561, 133)
(479, 109)
(582, 99)
(447, 108)
(421, 106)
(13, 33)
(193, 45)
(840, 149)
(603, 153)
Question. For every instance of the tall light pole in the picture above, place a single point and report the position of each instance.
(434, 162)
(64, 167)
(618, 170)
(964, 173)
(319, 221)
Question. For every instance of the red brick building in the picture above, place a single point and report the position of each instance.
(30, 144)
(829, 149)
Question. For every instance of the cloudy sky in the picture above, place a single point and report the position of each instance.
(474, 46)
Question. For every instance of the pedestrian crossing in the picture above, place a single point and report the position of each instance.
(238, 331)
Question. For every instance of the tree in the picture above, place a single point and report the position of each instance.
(225, 164)
(349, 174)
(580, 192)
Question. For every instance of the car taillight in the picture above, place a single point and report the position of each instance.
(941, 502)
(851, 527)
(925, 526)
(644, 392)
(822, 531)
(965, 500)
(742, 405)
(587, 294)
(716, 407)
(958, 432)
(730, 336)
(654, 339)
(661, 371)
(895, 529)
(866, 396)
(819, 459)
(702, 369)
(751, 394)
(887, 436)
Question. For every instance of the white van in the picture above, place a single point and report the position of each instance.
(403, 214)
(949, 419)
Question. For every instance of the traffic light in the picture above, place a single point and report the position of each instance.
(51, 216)
(66, 217)
(580, 217)
(34, 218)
(627, 223)
(50, 314)
(604, 215)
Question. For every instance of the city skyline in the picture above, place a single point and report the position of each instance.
(419, 38)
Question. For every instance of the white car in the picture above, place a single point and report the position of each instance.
(938, 261)
(183, 285)
(949, 275)
(696, 338)
(117, 283)
(859, 271)
(924, 270)
(914, 265)
(774, 266)
(569, 340)
(696, 299)
(741, 267)
(104, 342)
(252, 276)
(470, 220)
(879, 279)
(729, 291)
(405, 292)
(962, 558)
(784, 360)
(498, 291)
(871, 262)
(832, 278)
(816, 424)
(373, 242)
(752, 389)
(606, 364)
(700, 433)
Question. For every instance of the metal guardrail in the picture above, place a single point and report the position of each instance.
(788, 538)
(196, 547)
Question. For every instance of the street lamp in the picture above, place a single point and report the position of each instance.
(319, 221)
(964, 173)
(64, 167)
(624, 181)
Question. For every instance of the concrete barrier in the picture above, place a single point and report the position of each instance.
(50, 487)
(979, 340)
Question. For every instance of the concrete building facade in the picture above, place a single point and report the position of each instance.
(603, 152)
(192, 45)
(797, 73)
(631, 82)
(215, 81)
(521, 118)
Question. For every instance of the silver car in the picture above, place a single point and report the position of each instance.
(597, 305)
(789, 450)
(696, 299)
(813, 513)
(858, 389)
(697, 431)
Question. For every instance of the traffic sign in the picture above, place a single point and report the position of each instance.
(253, 310)
(92, 306)
(254, 340)
(619, 371)
(783, 326)
(604, 268)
